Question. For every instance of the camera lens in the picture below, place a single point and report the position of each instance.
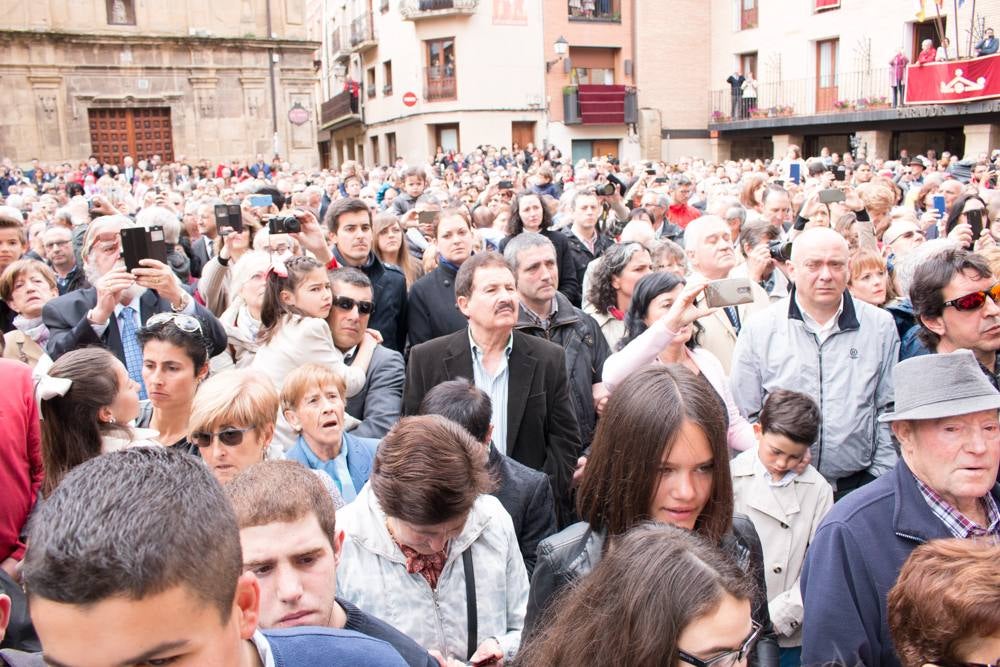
(780, 252)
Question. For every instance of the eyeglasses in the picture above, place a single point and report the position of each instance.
(186, 323)
(995, 663)
(230, 437)
(728, 658)
(975, 300)
(347, 303)
(905, 235)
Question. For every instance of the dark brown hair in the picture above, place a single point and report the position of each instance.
(947, 593)
(341, 206)
(273, 309)
(451, 212)
(261, 495)
(932, 276)
(631, 439)
(429, 470)
(71, 431)
(619, 615)
(467, 272)
(791, 414)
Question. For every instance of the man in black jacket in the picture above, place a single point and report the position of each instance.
(547, 313)
(586, 242)
(523, 492)
(350, 221)
(524, 377)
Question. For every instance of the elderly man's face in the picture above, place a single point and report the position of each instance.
(819, 269)
(902, 237)
(778, 208)
(713, 255)
(955, 456)
(951, 190)
(493, 302)
(105, 251)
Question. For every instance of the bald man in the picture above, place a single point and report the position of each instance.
(839, 350)
(709, 246)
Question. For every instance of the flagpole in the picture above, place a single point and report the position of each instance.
(954, 4)
(937, 22)
(972, 25)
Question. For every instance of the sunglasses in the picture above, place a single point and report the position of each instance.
(347, 303)
(975, 300)
(995, 663)
(727, 659)
(230, 437)
(186, 323)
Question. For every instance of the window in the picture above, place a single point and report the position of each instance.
(440, 71)
(387, 77)
(370, 81)
(446, 136)
(374, 151)
(748, 63)
(121, 12)
(748, 14)
(595, 10)
(390, 145)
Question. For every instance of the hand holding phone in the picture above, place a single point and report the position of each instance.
(939, 206)
(831, 195)
(795, 172)
(728, 292)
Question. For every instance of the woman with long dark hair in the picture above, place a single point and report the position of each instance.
(661, 327)
(670, 465)
(700, 601)
(528, 212)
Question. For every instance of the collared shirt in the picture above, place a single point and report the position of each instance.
(591, 243)
(99, 329)
(495, 387)
(957, 523)
(63, 282)
(336, 468)
(263, 649)
(543, 322)
(822, 331)
(992, 375)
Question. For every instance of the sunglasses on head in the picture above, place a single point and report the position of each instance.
(974, 300)
(230, 437)
(186, 323)
(347, 303)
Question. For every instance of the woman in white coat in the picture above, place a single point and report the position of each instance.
(429, 552)
(785, 499)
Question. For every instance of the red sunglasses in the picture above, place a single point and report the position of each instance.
(975, 300)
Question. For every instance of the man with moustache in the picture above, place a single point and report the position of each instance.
(525, 377)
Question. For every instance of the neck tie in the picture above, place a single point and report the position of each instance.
(130, 344)
(734, 318)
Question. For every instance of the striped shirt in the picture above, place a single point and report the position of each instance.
(495, 387)
(957, 523)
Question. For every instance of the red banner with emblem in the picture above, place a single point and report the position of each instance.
(953, 81)
(827, 4)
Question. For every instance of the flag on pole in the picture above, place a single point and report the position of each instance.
(922, 12)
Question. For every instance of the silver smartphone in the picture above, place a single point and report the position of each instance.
(728, 292)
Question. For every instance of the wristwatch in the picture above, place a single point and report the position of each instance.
(185, 300)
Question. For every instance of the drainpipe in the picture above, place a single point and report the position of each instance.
(274, 95)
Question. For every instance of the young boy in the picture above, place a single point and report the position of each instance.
(786, 499)
(13, 245)
(291, 543)
(414, 182)
(135, 559)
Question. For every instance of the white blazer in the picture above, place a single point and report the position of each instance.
(786, 519)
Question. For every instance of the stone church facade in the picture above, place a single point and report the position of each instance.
(184, 78)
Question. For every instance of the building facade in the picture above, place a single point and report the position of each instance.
(216, 80)
(822, 69)
(403, 78)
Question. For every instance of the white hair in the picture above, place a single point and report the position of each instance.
(164, 217)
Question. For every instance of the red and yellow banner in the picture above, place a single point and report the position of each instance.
(954, 81)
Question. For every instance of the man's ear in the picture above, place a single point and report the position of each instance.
(904, 432)
(463, 305)
(935, 324)
(4, 614)
(338, 547)
(246, 604)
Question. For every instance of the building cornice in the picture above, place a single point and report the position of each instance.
(146, 39)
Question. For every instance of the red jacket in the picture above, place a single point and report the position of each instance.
(20, 455)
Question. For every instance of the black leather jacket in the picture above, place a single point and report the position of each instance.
(575, 551)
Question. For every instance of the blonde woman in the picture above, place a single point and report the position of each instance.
(389, 247)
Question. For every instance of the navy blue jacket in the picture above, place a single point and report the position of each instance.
(325, 647)
(852, 563)
(389, 294)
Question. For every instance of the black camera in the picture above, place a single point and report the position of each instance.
(606, 189)
(229, 215)
(781, 251)
(284, 224)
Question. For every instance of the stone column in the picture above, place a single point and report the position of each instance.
(722, 149)
(650, 125)
(49, 115)
(783, 141)
(874, 144)
(980, 139)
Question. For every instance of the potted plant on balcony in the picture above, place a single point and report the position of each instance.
(720, 117)
(787, 110)
(571, 105)
(881, 102)
(757, 113)
(843, 105)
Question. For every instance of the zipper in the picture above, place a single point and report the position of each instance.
(440, 622)
(822, 426)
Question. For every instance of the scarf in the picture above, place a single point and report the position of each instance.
(616, 313)
(34, 329)
(428, 566)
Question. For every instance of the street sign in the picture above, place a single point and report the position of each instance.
(410, 98)
(298, 115)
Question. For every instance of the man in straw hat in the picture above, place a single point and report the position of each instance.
(944, 486)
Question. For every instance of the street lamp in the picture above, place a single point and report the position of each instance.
(339, 70)
(561, 47)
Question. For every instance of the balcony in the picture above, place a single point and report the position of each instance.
(605, 11)
(439, 85)
(599, 105)
(340, 110)
(416, 10)
(363, 33)
(338, 44)
(842, 94)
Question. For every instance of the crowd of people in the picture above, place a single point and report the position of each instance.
(501, 408)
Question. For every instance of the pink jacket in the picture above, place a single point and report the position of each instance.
(644, 350)
(898, 64)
